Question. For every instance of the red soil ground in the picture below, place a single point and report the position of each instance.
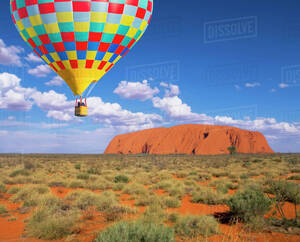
(93, 221)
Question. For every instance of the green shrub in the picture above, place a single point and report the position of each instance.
(155, 213)
(28, 165)
(222, 188)
(50, 224)
(248, 204)
(2, 209)
(172, 202)
(207, 195)
(85, 199)
(2, 188)
(76, 184)
(135, 189)
(77, 166)
(83, 176)
(284, 192)
(193, 226)
(13, 190)
(294, 177)
(244, 176)
(116, 212)
(173, 217)
(232, 150)
(121, 179)
(19, 172)
(136, 232)
(92, 171)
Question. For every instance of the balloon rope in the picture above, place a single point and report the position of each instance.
(91, 89)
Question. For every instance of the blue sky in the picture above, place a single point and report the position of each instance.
(233, 63)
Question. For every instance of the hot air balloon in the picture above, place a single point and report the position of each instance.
(81, 40)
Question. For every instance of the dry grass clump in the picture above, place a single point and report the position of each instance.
(2, 188)
(29, 195)
(193, 226)
(207, 195)
(86, 199)
(135, 189)
(136, 231)
(52, 223)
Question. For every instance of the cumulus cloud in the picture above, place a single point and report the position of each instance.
(283, 85)
(135, 90)
(10, 55)
(178, 111)
(114, 115)
(254, 84)
(56, 81)
(40, 71)
(12, 95)
(170, 89)
(33, 58)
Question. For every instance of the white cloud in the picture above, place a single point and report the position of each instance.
(14, 123)
(56, 81)
(114, 115)
(40, 71)
(237, 87)
(283, 85)
(12, 95)
(59, 115)
(49, 101)
(136, 90)
(10, 55)
(171, 90)
(33, 58)
(254, 84)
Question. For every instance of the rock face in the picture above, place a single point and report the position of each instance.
(189, 139)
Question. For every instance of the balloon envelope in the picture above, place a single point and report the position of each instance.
(81, 40)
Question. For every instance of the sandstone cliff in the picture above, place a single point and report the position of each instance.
(189, 139)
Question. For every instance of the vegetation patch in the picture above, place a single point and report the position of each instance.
(137, 232)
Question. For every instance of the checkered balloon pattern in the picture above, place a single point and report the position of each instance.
(81, 40)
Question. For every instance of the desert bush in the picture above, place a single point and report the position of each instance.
(29, 194)
(204, 177)
(136, 232)
(207, 195)
(222, 188)
(3, 209)
(76, 184)
(121, 179)
(2, 188)
(193, 226)
(50, 224)
(135, 189)
(118, 186)
(172, 202)
(244, 176)
(13, 190)
(19, 172)
(294, 177)
(77, 166)
(284, 192)
(83, 176)
(57, 183)
(85, 199)
(249, 204)
(116, 212)
(28, 165)
(155, 213)
(173, 217)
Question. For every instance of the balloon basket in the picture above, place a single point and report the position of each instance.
(81, 111)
